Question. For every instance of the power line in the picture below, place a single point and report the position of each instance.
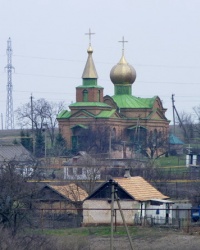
(51, 76)
(48, 58)
(101, 79)
(138, 65)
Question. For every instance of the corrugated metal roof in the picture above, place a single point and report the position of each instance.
(139, 188)
(70, 191)
(89, 104)
(175, 140)
(64, 114)
(129, 101)
(15, 152)
(106, 114)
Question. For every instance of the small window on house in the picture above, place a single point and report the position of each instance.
(85, 95)
(74, 160)
(70, 171)
(79, 171)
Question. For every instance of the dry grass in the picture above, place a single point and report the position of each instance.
(145, 238)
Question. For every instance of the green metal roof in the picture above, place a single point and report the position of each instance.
(106, 114)
(87, 87)
(80, 125)
(89, 104)
(64, 114)
(129, 101)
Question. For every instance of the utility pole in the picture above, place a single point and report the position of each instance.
(179, 119)
(33, 135)
(114, 197)
(1, 121)
(112, 213)
(9, 104)
(173, 108)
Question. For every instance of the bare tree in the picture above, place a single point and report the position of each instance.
(187, 126)
(15, 198)
(190, 125)
(196, 124)
(152, 144)
(42, 114)
(94, 139)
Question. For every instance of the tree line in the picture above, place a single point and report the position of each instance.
(189, 125)
(39, 127)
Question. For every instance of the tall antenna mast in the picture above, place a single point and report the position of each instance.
(9, 104)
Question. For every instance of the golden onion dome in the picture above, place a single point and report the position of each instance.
(123, 73)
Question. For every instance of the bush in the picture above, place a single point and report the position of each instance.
(23, 241)
(173, 152)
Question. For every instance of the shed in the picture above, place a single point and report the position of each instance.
(61, 197)
(175, 144)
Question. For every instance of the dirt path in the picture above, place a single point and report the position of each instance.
(168, 242)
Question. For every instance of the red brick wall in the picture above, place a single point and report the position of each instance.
(92, 94)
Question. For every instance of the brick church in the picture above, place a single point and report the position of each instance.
(129, 118)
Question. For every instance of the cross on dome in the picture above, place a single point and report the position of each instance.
(89, 34)
(123, 42)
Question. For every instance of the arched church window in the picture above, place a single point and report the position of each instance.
(85, 95)
(155, 136)
(138, 136)
(113, 134)
(99, 95)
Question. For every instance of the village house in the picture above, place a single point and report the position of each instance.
(175, 145)
(19, 157)
(59, 206)
(81, 167)
(138, 199)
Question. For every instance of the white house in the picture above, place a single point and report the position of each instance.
(81, 167)
(138, 199)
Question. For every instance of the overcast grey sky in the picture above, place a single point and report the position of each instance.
(50, 47)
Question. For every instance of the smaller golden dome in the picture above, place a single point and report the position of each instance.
(90, 50)
(123, 73)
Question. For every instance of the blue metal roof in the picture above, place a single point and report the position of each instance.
(175, 140)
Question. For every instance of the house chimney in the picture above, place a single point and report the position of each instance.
(127, 173)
